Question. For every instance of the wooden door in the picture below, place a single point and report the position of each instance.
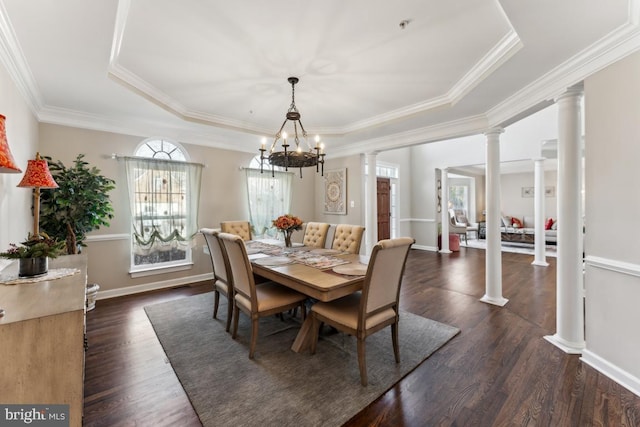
(384, 208)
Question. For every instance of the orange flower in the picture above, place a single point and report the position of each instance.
(287, 222)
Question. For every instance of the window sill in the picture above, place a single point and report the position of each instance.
(151, 271)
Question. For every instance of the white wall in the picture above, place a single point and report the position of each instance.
(16, 220)
(520, 141)
(612, 276)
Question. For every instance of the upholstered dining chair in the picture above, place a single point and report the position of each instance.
(221, 272)
(315, 234)
(348, 238)
(376, 307)
(239, 228)
(255, 301)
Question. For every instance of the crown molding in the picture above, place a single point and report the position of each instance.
(616, 45)
(501, 53)
(453, 129)
(16, 65)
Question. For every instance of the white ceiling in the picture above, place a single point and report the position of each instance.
(215, 73)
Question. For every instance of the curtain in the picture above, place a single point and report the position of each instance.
(269, 197)
(164, 196)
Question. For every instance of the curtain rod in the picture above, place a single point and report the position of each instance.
(116, 156)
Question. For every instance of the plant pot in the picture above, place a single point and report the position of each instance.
(31, 267)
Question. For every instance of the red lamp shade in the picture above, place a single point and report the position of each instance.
(38, 175)
(7, 164)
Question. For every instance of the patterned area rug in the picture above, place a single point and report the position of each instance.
(518, 248)
(279, 387)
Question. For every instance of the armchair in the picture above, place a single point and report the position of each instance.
(459, 219)
(456, 227)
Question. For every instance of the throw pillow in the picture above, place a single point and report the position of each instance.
(461, 219)
(506, 221)
(555, 225)
(548, 224)
(516, 222)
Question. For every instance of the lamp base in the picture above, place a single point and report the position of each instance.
(32, 267)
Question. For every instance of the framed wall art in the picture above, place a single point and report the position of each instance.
(335, 192)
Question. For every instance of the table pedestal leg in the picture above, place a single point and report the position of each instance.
(304, 337)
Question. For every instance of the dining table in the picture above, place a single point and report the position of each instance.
(322, 274)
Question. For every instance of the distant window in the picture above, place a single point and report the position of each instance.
(164, 192)
(269, 196)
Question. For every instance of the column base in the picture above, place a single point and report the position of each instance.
(564, 345)
(495, 301)
(443, 251)
(540, 263)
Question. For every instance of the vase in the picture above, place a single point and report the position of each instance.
(30, 267)
(287, 238)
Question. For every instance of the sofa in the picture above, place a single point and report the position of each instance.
(514, 229)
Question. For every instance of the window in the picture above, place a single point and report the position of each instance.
(459, 197)
(269, 197)
(164, 192)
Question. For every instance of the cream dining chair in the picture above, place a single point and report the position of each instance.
(376, 307)
(239, 228)
(315, 234)
(348, 238)
(255, 301)
(221, 273)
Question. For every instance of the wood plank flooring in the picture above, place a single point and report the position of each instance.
(499, 371)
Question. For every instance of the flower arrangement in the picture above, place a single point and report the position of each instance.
(287, 224)
(35, 247)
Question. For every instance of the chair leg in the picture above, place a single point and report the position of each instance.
(229, 313)
(362, 361)
(394, 338)
(254, 337)
(236, 314)
(216, 302)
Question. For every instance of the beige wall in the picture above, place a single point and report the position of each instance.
(222, 197)
(513, 204)
(612, 274)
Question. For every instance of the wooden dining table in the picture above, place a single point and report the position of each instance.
(322, 284)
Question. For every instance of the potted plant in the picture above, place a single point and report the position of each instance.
(34, 254)
(79, 205)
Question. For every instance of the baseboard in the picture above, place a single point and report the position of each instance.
(425, 248)
(618, 375)
(153, 286)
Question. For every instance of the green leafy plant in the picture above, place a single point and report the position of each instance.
(35, 247)
(79, 205)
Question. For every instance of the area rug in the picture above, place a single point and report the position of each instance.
(513, 247)
(281, 387)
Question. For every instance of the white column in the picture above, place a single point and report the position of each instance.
(444, 239)
(371, 219)
(569, 334)
(493, 277)
(539, 213)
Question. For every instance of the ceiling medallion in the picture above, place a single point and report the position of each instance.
(299, 156)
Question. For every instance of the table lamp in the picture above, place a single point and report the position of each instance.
(7, 164)
(37, 176)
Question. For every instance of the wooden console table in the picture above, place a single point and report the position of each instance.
(42, 339)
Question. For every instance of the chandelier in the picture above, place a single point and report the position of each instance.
(298, 156)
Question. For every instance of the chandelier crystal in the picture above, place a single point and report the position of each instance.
(293, 156)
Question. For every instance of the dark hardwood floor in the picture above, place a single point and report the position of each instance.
(499, 371)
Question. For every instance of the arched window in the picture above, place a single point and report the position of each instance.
(164, 192)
